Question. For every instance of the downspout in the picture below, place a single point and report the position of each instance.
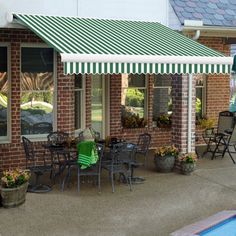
(190, 87)
(190, 103)
(197, 35)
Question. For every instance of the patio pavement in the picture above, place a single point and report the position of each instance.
(164, 203)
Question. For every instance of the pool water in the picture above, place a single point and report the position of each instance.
(225, 228)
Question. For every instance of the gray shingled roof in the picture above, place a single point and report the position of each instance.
(211, 12)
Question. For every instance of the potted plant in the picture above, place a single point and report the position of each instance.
(14, 184)
(164, 121)
(188, 162)
(165, 158)
(208, 125)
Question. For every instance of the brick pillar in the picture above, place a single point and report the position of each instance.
(180, 112)
(115, 105)
(65, 100)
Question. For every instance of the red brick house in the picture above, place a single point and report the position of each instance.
(211, 23)
(119, 96)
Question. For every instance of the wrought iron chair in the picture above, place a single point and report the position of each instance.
(94, 170)
(56, 144)
(142, 148)
(225, 122)
(117, 164)
(37, 163)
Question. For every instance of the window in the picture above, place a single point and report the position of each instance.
(200, 95)
(133, 100)
(79, 102)
(162, 100)
(4, 93)
(37, 90)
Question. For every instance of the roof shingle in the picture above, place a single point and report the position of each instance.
(211, 12)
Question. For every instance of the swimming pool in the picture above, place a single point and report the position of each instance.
(221, 224)
(226, 227)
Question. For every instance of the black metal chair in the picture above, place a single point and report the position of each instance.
(214, 140)
(94, 170)
(117, 164)
(37, 163)
(56, 145)
(142, 147)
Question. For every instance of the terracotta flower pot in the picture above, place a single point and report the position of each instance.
(164, 163)
(12, 197)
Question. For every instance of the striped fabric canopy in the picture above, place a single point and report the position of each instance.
(119, 46)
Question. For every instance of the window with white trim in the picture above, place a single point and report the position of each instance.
(162, 100)
(37, 90)
(4, 93)
(79, 102)
(134, 100)
(200, 95)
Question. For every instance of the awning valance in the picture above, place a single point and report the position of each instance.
(119, 46)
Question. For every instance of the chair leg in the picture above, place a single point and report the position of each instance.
(99, 183)
(78, 183)
(112, 182)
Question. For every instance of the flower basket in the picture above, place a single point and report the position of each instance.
(165, 163)
(188, 162)
(187, 168)
(12, 197)
(165, 158)
(14, 184)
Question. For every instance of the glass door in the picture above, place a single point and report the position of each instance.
(98, 106)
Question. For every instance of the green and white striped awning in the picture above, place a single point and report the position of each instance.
(119, 46)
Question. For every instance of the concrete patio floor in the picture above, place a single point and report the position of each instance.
(164, 203)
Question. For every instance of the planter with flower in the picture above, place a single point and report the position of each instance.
(165, 158)
(208, 125)
(14, 184)
(188, 162)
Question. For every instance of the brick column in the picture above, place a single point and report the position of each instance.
(65, 100)
(115, 105)
(180, 112)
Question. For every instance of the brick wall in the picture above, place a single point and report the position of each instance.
(12, 154)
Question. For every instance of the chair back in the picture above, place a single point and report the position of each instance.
(225, 121)
(29, 149)
(58, 138)
(122, 152)
(42, 128)
(143, 144)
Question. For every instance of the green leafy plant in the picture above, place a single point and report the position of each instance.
(163, 120)
(207, 123)
(14, 178)
(167, 150)
(190, 157)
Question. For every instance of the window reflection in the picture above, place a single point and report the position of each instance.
(37, 91)
(3, 92)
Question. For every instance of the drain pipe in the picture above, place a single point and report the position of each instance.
(190, 103)
(197, 35)
(190, 87)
